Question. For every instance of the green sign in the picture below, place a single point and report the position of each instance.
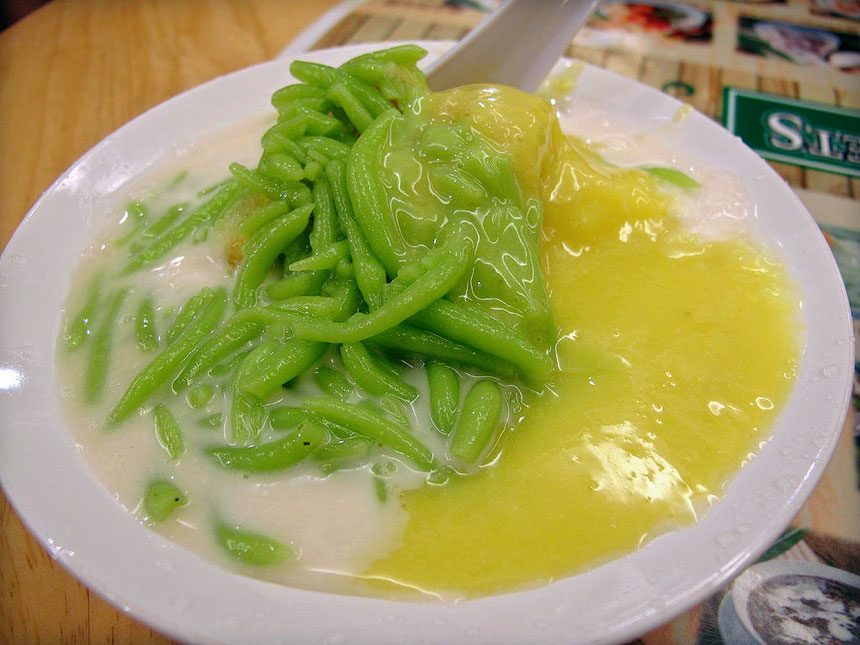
(801, 133)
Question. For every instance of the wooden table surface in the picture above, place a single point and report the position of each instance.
(70, 74)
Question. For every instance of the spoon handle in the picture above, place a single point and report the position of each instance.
(516, 45)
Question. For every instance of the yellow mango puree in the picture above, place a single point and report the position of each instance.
(676, 355)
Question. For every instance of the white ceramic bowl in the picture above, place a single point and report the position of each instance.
(192, 599)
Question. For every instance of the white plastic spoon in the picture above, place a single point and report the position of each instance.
(517, 45)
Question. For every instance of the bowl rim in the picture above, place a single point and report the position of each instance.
(154, 600)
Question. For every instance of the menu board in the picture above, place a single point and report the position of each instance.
(784, 76)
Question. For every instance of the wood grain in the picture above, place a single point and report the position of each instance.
(70, 74)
